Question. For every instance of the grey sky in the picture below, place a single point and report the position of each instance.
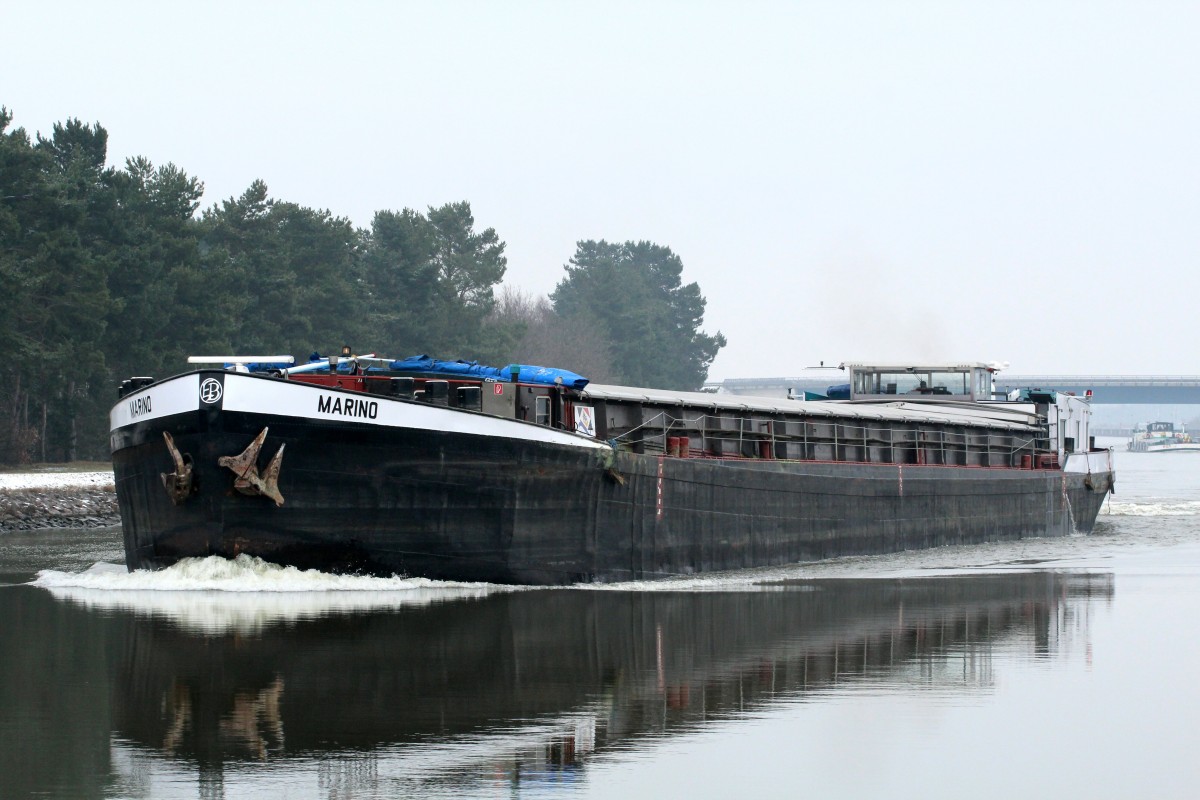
(846, 181)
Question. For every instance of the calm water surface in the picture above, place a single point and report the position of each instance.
(1043, 668)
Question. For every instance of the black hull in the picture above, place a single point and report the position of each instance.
(465, 507)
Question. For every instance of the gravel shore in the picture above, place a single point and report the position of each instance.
(66, 499)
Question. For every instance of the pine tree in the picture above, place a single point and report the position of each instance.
(634, 293)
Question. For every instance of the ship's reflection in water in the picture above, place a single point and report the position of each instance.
(511, 688)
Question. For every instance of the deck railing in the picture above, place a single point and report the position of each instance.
(874, 442)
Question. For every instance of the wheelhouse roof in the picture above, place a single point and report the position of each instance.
(921, 367)
(1009, 416)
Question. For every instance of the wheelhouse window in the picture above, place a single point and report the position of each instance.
(919, 382)
(983, 384)
(541, 410)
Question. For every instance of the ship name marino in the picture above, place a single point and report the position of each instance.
(348, 407)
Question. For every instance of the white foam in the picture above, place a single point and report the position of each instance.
(762, 579)
(216, 595)
(244, 573)
(56, 480)
(1183, 508)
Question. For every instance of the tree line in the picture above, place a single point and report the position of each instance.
(108, 273)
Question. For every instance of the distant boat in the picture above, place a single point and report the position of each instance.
(1161, 437)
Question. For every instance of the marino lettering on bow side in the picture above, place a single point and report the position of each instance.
(139, 406)
(347, 406)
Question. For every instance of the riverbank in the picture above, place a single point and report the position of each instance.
(58, 496)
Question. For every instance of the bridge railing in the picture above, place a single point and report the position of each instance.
(1100, 380)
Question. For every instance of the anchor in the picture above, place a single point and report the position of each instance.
(179, 483)
(245, 466)
(608, 461)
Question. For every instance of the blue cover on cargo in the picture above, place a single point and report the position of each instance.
(839, 392)
(261, 366)
(526, 373)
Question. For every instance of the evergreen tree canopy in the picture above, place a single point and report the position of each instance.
(154, 242)
(109, 273)
(282, 278)
(432, 281)
(633, 291)
(58, 209)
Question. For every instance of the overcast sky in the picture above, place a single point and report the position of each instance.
(879, 181)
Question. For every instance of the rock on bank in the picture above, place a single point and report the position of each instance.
(33, 500)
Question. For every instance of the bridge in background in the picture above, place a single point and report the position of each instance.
(1122, 389)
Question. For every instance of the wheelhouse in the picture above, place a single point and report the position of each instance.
(966, 382)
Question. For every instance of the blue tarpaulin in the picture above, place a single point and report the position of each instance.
(526, 373)
(428, 365)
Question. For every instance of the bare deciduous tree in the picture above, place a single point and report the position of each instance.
(577, 344)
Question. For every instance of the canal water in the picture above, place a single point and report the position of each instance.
(1062, 668)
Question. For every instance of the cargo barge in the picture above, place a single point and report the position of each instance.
(455, 471)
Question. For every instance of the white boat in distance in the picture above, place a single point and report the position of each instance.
(1161, 437)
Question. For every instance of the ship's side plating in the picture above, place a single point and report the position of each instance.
(385, 485)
